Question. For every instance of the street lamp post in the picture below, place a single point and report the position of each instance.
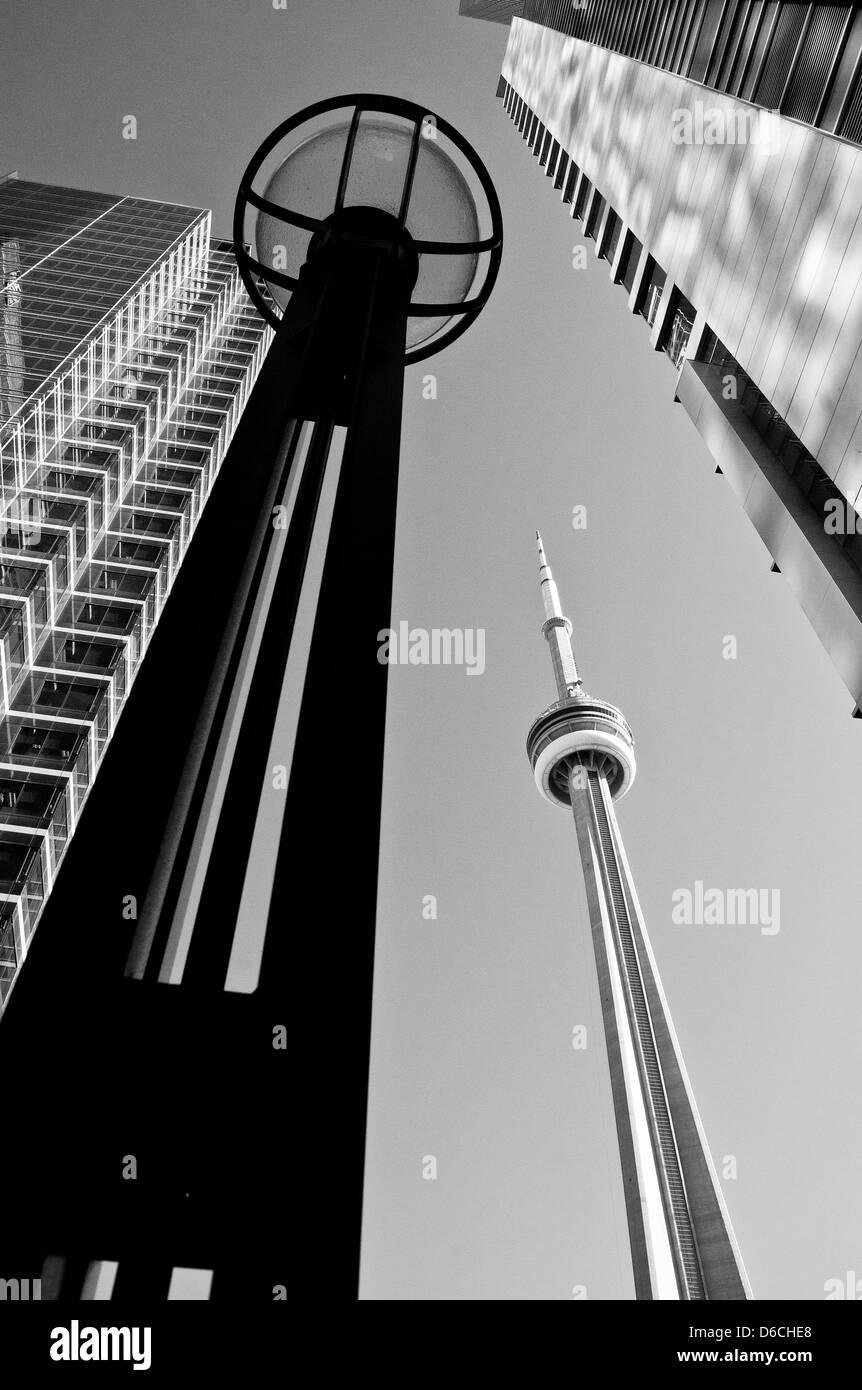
(404, 223)
(367, 246)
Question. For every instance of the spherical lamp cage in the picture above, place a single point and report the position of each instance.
(392, 154)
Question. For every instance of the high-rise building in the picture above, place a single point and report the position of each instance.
(582, 754)
(710, 151)
(501, 11)
(128, 349)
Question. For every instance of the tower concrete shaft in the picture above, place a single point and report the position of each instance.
(682, 1244)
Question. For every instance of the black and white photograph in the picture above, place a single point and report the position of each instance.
(430, 675)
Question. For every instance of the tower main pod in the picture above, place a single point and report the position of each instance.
(582, 754)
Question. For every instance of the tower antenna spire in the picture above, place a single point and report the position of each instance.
(557, 631)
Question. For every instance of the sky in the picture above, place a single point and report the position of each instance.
(748, 768)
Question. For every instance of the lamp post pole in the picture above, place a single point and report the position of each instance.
(351, 319)
(325, 882)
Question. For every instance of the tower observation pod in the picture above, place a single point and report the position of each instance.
(682, 1245)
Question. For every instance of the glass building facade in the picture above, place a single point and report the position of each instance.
(804, 61)
(711, 153)
(128, 348)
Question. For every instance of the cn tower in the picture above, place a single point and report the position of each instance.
(581, 751)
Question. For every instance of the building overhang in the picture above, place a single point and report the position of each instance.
(826, 584)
